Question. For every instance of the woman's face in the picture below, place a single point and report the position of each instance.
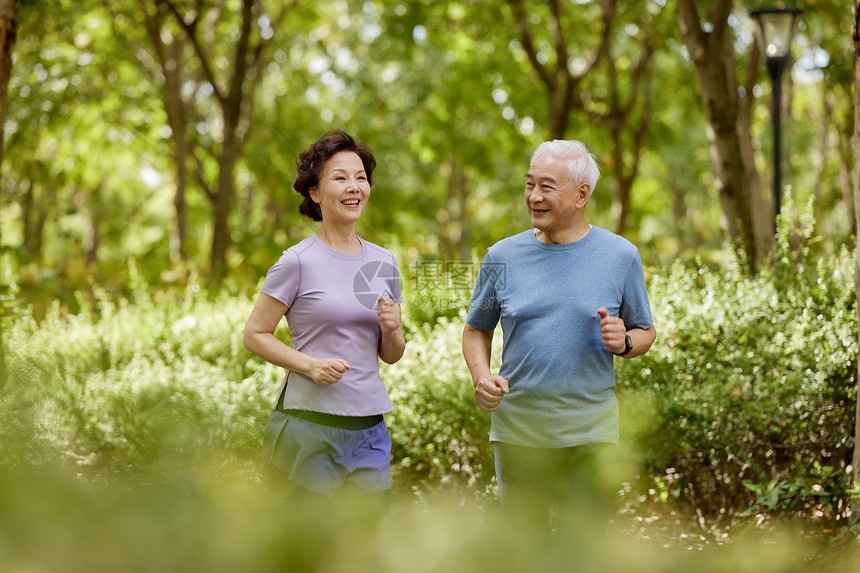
(343, 189)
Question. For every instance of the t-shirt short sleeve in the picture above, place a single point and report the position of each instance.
(635, 308)
(484, 310)
(282, 280)
(394, 283)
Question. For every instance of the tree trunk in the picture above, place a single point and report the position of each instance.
(761, 216)
(824, 127)
(34, 215)
(845, 178)
(169, 57)
(712, 53)
(622, 184)
(8, 31)
(559, 107)
(223, 202)
(855, 464)
(93, 217)
(458, 224)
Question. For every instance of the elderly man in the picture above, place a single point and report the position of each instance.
(570, 297)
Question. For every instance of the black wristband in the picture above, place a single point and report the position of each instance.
(628, 346)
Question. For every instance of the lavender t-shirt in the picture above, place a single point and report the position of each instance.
(331, 299)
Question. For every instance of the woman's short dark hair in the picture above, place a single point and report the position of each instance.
(311, 161)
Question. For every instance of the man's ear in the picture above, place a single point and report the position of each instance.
(584, 192)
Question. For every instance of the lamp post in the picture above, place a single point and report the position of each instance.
(777, 29)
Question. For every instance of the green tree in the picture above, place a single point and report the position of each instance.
(229, 44)
(444, 92)
(605, 73)
(8, 31)
(169, 51)
(710, 41)
(78, 134)
(825, 61)
(452, 127)
(856, 458)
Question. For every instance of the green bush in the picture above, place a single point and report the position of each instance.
(127, 387)
(749, 391)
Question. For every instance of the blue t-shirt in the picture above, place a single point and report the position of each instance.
(562, 384)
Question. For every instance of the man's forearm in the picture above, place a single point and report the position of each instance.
(642, 341)
(477, 345)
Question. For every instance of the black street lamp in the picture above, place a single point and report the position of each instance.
(777, 29)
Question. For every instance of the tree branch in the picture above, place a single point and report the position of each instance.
(606, 16)
(561, 54)
(691, 28)
(191, 29)
(259, 61)
(241, 58)
(201, 178)
(528, 44)
(639, 74)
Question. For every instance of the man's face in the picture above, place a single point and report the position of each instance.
(551, 197)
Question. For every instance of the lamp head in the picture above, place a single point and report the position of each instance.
(777, 26)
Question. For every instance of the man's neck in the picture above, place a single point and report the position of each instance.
(564, 237)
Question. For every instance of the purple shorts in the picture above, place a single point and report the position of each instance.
(324, 459)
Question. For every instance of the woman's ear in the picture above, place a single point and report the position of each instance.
(314, 194)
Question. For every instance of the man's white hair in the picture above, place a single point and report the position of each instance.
(581, 165)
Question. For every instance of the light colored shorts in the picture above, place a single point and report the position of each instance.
(325, 460)
(554, 474)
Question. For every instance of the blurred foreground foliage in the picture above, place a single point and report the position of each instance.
(130, 437)
(198, 525)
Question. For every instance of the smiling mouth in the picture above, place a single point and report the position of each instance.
(350, 202)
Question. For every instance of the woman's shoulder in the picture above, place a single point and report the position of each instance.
(291, 257)
(304, 245)
(375, 251)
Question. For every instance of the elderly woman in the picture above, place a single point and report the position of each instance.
(341, 297)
